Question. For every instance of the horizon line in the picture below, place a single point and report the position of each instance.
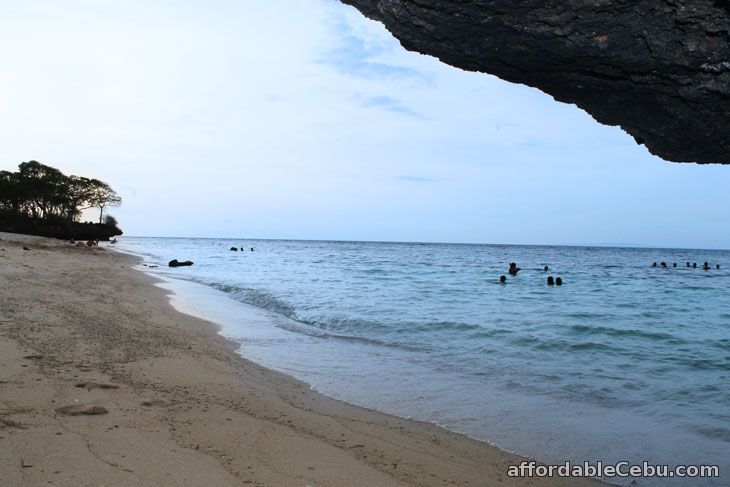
(617, 245)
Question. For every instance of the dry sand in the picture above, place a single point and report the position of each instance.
(82, 332)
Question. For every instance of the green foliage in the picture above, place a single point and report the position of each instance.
(44, 193)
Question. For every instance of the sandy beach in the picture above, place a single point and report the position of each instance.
(102, 382)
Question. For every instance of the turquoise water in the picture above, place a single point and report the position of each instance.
(623, 362)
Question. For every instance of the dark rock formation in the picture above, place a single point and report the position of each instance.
(658, 68)
(176, 263)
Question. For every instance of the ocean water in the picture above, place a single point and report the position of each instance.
(622, 362)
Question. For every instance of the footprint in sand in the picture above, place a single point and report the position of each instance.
(155, 403)
(82, 410)
(9, 423)
(96, 385)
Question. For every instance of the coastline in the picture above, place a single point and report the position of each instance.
(188, 409)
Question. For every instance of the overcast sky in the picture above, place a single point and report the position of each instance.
(302, 119)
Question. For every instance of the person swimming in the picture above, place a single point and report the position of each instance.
(664, 265)
(503, 279)
(674, 265)
(654, 264)
(558, 281)
(513, 269)
(550, 281)
(706, 266)
(694, 265)
(546, 268)
(688, 265)
(717, 266)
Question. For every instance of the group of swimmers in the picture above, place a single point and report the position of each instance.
(235, 249)
(513, 270)
(706, 265)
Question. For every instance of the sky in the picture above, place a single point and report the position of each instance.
(302, 119)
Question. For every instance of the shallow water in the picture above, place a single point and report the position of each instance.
(623, 362)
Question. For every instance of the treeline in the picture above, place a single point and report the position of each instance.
(41, 200)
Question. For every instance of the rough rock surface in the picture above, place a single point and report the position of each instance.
(658, 68)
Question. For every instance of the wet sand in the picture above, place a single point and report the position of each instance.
(102, 382)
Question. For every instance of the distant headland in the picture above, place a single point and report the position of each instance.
(41, 200)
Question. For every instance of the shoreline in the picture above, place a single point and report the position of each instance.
(187, 406)
(179, 299)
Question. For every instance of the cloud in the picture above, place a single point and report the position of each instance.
(531, 143)
(359, 57)
(390, 104)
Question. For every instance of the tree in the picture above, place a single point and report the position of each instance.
(102, 196)
(42, 192)
(78, 195)
(11, 198)
(41, 200)
(110, 221)
(43, 187)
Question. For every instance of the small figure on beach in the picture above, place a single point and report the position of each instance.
(546, 268)
(550, 281)
(513, 269)
(502, 279)
(558, 281)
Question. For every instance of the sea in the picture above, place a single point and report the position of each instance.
(623, 362)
